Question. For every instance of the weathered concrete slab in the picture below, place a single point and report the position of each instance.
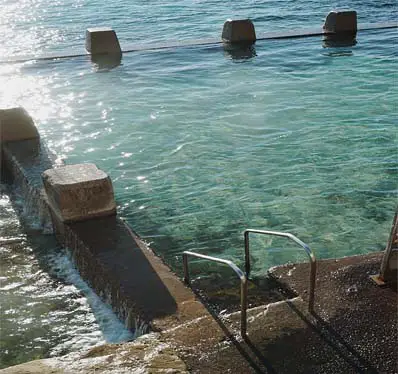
(102, 40)
(146, 355)
(238, 31)
(16, 124)
(33, 367)
(79, 192)
(354, 317)
(341, 22)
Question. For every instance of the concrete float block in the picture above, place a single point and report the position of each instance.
(102, 40)
(79, 192)
(339, 22)
(16, 125)
(238, 31)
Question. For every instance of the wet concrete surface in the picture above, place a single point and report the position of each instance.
(127, 274)
(352, 330)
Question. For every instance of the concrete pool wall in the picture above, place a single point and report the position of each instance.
(282, 336)
(78, 201)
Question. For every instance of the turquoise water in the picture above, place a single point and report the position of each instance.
(200, 145)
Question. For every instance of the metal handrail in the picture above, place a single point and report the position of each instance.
(307, 249)
(243, 283)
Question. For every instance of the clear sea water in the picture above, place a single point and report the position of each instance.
(199, 145)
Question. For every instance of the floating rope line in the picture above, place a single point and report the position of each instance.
(294, 34)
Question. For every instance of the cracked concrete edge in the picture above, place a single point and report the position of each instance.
(146, 355)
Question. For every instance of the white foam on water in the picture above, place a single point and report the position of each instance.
(111, 328)
(47, 308)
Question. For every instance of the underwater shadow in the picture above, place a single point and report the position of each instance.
(240, 52)
(106, 62)
(338, 45)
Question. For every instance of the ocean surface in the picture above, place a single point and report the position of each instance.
(200, 143)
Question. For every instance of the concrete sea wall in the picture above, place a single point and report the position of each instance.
(77, 202)
(282, 336)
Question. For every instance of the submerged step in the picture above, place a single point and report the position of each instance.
(220, 291)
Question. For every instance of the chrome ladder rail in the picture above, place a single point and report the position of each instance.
(307, 250)
(243, 283)
(244, 276)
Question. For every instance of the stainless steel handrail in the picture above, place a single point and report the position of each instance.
(307, 249)
(243, 283)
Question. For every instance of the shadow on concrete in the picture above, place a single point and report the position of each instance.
(261, 292)
(237, 344)
(221, 291)
(334, 340)
(121, 268)
(344, 340)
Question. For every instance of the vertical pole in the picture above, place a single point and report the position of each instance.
(247, 254)
(386, 258)
(186, 270)
(312, 285)
(243, 307)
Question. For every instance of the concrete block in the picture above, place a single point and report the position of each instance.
(16, 125)
(79, 192)
(238, 31)
(102, 40)
(341, 22)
